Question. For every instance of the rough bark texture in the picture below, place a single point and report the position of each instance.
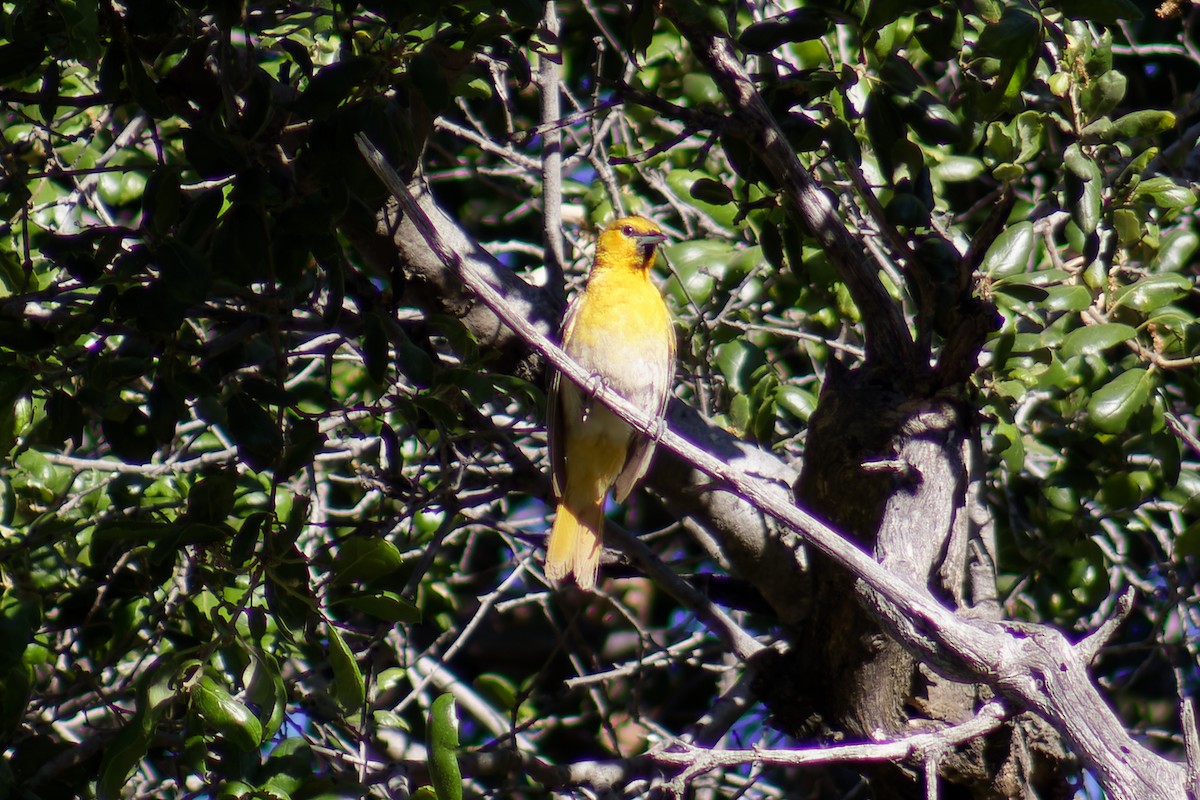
(892, 471)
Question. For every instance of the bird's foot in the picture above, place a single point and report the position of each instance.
(591, 388)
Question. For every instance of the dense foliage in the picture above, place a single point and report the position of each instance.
(265, 496)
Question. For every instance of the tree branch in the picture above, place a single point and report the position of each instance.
(549, 61)
(918, 746)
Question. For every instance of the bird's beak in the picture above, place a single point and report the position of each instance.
(646, 243)
(650, 240)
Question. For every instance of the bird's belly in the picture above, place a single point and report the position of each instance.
(628, 357)
(597, 441)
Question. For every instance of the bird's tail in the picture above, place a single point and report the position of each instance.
(575, 542)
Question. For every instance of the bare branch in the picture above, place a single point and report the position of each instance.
(919, 746)
(549, 68)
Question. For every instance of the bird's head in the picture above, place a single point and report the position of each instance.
(629, 242)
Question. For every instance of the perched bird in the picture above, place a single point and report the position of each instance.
(619, 329)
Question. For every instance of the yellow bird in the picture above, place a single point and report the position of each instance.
(620, 330)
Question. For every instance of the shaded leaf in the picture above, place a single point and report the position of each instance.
(385, 605)
(797, 25)
(348, 686)
(365, 559)
(1115, 403)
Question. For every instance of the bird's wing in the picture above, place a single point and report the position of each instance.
(554, 410)
(654, 401)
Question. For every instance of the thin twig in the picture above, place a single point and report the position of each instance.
(549, 69)
(986, 720)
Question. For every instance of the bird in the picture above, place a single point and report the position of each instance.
(620, 330)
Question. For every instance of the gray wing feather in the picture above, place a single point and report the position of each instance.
(554, 412)
(642, 449)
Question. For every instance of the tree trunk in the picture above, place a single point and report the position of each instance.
(892, 467)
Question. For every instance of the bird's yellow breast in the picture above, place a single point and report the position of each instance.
(622, 331)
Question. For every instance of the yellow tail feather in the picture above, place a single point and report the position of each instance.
(574, 547)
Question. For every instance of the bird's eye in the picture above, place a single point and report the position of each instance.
(628, 230)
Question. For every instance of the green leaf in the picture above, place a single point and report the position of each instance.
(1010, 253)
(184, 272)
(1068, 298)
(413, 361)
(142, 86)
(940, 36)
(696, 266)
(334, 82)
(740, 414)
(387, 606)
(1188, 542)
(348, 686)
(1011, 34)
(1115, 403)
(497, 688)
(712, 192)
(1022, 291)
(1083, 183)
(1093, 339)
(885, 127)
(14, 381)
(1176, 250)
(247, 537)
(1006, 440)
(131, 743)
(1165, 193)
(796, 401)
(957, 169)
(1103, 95)
(1154, 292)
(1126, 489)
(798, 25)
(254, 431)
(1013, 40)
(16, 685)
(20, 617)
(375, 347)
(1143, 123)
(265, 689)
(442, 742)
(682, 183)
(999, 143)
(737, 360)
(1128, 226)
(211, 498)
(114, 538)
(1031, 135)
(121, 755)
(128, 434)
(226, 714)
(303, 440)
